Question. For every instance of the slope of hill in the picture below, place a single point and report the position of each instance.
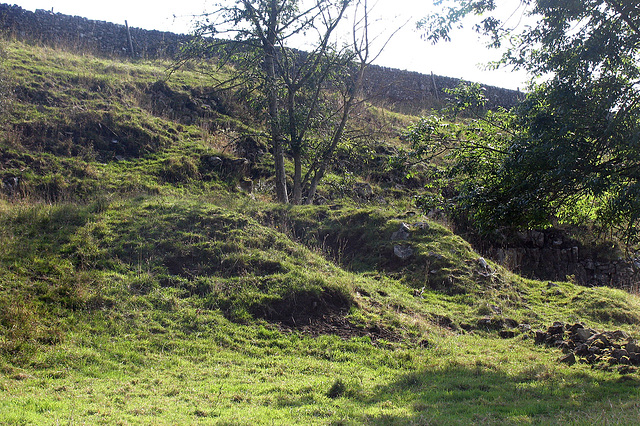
(402, 90)
(140, 285)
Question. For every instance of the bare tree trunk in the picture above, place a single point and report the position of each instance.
(272, 94)
(350, 99)
(328, 155)
(297, 178)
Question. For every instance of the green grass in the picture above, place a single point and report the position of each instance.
(136, 341)
(146, 289)
(264, 377)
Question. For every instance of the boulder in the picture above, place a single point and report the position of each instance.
(601, 350)
(632, 346)
(556, 330)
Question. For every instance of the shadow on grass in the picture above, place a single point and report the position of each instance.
(481, 395)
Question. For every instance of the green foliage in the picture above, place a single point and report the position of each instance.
(576, 134)
(464, 158)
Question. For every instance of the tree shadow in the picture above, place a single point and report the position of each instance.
(484, 395)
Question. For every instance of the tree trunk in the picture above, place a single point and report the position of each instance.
(297, 177)
(328, 155)
(272, 95)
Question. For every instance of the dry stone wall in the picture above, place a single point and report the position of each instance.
(403, 90)
(412, 91)
(552, 255)
(77, 33)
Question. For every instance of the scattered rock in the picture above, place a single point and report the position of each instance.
(485, 269)
(418, 292)
(601, 350)
(583, 334)
(569, 359)
(422, 225)
(524, 328)
(246, 185)
(507, 334)
(363, 190)
(403, 252)
(402, 233)
(215, 161)
(483, 263)
(632, 346)
(492, 323)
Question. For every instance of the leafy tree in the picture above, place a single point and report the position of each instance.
(574, 152)
(463, 154)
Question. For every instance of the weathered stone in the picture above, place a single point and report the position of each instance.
(540, 337)
(567, 346)
(583, 334)
(582, 349)
(363, 190)
(599, 340)
(594, 350)
(619, 353)
(574, 254)
(537, 238)
(507, 334)
(575, 327)
(569, 359)
(619, 335)
(402, 233)
(403, 252)
(632, 346)
(215, 161)
(483, 263)
(524, 327)
(510, 323)
(556, 330)
(634, 358)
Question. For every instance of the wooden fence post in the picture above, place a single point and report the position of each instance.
(129, 38)
(435, 87)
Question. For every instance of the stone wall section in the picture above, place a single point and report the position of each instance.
(413, 91)
(77, 33)
(552, 255)
(404, 90)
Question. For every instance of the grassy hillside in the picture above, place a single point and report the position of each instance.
(140, 285)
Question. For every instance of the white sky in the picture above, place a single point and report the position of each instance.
(464, 57)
